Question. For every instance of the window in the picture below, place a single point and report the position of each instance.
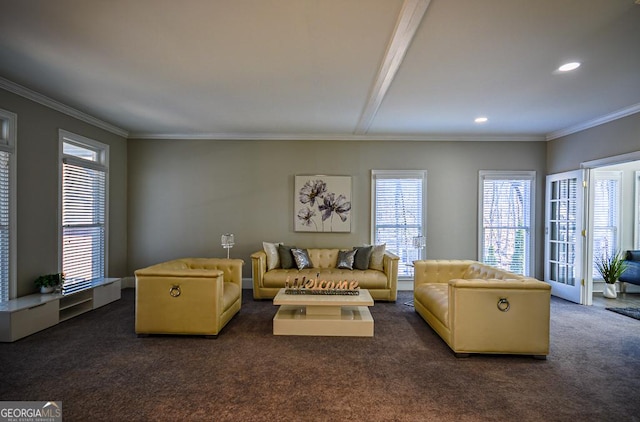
(606, 216)
(399, 214)
(84, 203)
(8, 126)
(506, 217)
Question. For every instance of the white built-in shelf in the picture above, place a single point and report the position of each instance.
(75, 304)
(28, 314)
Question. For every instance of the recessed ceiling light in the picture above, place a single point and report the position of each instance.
(568, 67)
(481, 120)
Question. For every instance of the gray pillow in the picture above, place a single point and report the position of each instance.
(345, 260)
(377, 257)
(362, 258)
(286, 257)
(302, 258)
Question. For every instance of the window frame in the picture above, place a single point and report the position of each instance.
(529, 175)
(617, 176)
(636, 243)
(400, 174)
(8, 144)
(101, 163)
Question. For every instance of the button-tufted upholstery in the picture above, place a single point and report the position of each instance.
(210, 294)
(383, 285)
(459, 300)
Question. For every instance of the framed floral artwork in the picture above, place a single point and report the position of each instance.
(322, 203)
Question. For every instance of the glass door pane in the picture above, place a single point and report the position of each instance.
(563, 224)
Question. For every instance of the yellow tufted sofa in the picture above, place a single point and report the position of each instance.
(477, 308)
(188, 296)
(383, 285)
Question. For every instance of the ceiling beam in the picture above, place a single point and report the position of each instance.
(406, 27)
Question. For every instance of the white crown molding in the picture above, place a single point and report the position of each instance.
(58, 106)
(335, 137)
(627, 111)
(406, 26)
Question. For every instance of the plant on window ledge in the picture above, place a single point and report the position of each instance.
(48, 282)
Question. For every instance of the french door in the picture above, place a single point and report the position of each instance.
(565, 235)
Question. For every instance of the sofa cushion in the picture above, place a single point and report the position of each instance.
(286, 257)
(273, 258)
(479, 270)
(323, 258)
(368, 279)
(377, 257)
(345, 260)
(362, 258)
(435, 297)
(302, 258)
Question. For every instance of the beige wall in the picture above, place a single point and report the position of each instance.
(37, 189)
(174, 198)
(612, 139)
(619, 137)
(183, 194)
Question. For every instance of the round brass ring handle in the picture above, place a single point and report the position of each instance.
(503, 304)
(174, 291)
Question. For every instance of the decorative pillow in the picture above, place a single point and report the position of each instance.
(345, 259)
(302, 258)
(286, 257)
(273, 259)
(377, 255)
(633, 255)
(362, 258)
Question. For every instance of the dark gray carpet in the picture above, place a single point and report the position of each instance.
(101, 371)
(630, 312)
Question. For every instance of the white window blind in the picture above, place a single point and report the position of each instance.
(606, 216)
(8, 125)
(84, 187)
(5, 227)
(398, 214)
(506, 216)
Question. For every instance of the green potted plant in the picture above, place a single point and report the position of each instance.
(611, 268)
(48, 282)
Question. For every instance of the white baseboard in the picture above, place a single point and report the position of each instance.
(128, 282)
(405, 285)
(598, 287)
(247, 283)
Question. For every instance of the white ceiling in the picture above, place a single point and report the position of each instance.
(328, 69)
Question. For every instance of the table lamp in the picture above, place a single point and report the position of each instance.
(227, 242)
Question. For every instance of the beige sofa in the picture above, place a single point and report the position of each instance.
(197, 296)
(383, 285)
(477, 308)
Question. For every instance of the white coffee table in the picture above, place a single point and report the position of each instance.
(323, 315)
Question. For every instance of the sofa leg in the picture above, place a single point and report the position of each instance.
(540, 357)
(462, 355)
